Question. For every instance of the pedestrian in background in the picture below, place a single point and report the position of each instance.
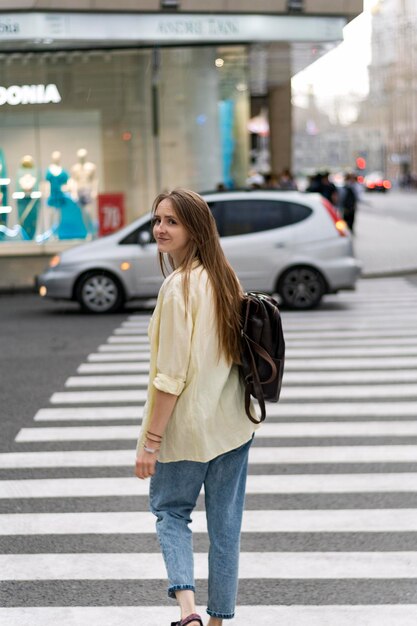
(328, 189)
(286, 180)
(321, 183)
(271, 181)
(314, 183)
(195, 431)
(349, 200)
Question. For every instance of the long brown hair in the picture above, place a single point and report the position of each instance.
(194, 214)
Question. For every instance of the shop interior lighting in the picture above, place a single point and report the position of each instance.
(170, 4)
(5, 209)
(241, 87)
(295, 6)
(219, 62)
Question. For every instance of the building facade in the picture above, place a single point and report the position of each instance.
(103, 104)
(392, 103)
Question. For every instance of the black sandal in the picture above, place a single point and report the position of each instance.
(187, 620)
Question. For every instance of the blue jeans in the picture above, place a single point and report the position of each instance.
(173, 495)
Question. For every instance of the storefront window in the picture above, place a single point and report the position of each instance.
(88, 137)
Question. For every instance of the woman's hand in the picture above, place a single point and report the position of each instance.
(163, 406)
(145, 464)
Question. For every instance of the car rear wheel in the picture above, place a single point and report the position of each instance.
(99, 292)
(301, 288)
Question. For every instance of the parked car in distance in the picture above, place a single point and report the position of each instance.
(376, 181)
(280, 242)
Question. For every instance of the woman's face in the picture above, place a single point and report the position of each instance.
(170, 235)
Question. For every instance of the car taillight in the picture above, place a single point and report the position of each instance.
(371, 185)
(387, 184)
(339, 223)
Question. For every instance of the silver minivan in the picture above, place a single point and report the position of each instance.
(287, 243)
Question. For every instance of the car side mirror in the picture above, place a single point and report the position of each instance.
(144, 237)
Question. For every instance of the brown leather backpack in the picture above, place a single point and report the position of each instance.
(263, 351)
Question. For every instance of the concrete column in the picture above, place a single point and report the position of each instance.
(189, 123)
(279, 104)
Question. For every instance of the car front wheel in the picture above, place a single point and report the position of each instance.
(301, 288)
(99, 292)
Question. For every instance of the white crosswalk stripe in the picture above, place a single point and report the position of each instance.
(404, 482)
(387, 615)
(299, 429)
(335, 463)
(258, 456)
(347, 520)
(252, 565)
(291, 378)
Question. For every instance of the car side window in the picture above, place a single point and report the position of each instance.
(217, 210)
(133, 237)
(243, 217)
(299, 212)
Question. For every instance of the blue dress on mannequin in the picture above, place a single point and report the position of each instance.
(28, 205)
(3, 186)
(71, 224)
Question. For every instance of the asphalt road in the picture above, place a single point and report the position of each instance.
(396, 203)
(364, 337)
(386, 233)
(41, 344)
(42, 341)
(362, 381)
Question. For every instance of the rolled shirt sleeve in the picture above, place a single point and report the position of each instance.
(175, 333)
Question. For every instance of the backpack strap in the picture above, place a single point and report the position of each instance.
(252, 345)
(253, 380)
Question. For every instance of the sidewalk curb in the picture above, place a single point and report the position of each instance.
(389, 273)
(18, 290)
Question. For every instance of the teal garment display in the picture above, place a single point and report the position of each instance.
(28, 205)
(228, 142)
(3, 187)
(71, 223)
(16, 233)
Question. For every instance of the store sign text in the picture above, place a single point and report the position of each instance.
(29, 94)
(212, 26)
(9, 27)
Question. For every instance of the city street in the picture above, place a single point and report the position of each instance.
(330, 529)
(386, 233)
(104, 105)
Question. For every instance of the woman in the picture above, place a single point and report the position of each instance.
(195, 431)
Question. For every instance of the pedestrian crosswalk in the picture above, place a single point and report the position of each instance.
(329, 535)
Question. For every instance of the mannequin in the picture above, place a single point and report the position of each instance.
(71, 224)
(57, 177)
(27, 195)
(84, 186)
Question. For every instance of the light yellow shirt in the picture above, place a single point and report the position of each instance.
(209, 416)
